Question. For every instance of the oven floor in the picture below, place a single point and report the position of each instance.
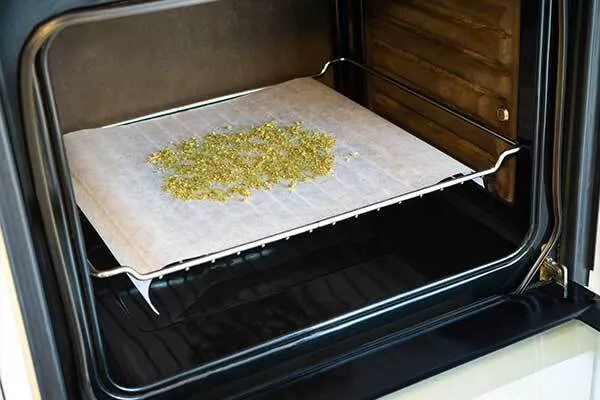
(243, 301)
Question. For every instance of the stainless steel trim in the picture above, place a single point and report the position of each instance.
(557, 149)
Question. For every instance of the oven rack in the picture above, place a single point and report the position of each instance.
(142, 281)
(212, 257)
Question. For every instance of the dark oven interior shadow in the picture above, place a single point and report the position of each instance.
(242, 301)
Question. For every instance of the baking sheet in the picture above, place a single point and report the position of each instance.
(146, 229)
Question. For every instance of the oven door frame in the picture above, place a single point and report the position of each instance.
(65, 287)
(581, 161)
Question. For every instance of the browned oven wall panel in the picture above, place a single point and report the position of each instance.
(462, 53)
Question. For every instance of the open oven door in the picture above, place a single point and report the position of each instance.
(372, 354)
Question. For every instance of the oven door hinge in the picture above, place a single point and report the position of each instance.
(551, 271)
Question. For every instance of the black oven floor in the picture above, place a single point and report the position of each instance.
(240, 302)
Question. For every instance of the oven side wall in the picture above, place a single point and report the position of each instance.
(462, 53)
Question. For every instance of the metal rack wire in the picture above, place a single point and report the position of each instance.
(211, 258)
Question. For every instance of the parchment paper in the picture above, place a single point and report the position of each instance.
(147, 229)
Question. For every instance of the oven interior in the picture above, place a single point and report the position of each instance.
(459, 63)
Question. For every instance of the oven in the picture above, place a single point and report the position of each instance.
(271, 198)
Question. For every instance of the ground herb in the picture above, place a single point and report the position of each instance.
(225, 166)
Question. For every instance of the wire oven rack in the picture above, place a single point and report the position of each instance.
(142, 281)
(211, 258)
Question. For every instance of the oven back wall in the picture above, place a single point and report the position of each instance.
(110, 71)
